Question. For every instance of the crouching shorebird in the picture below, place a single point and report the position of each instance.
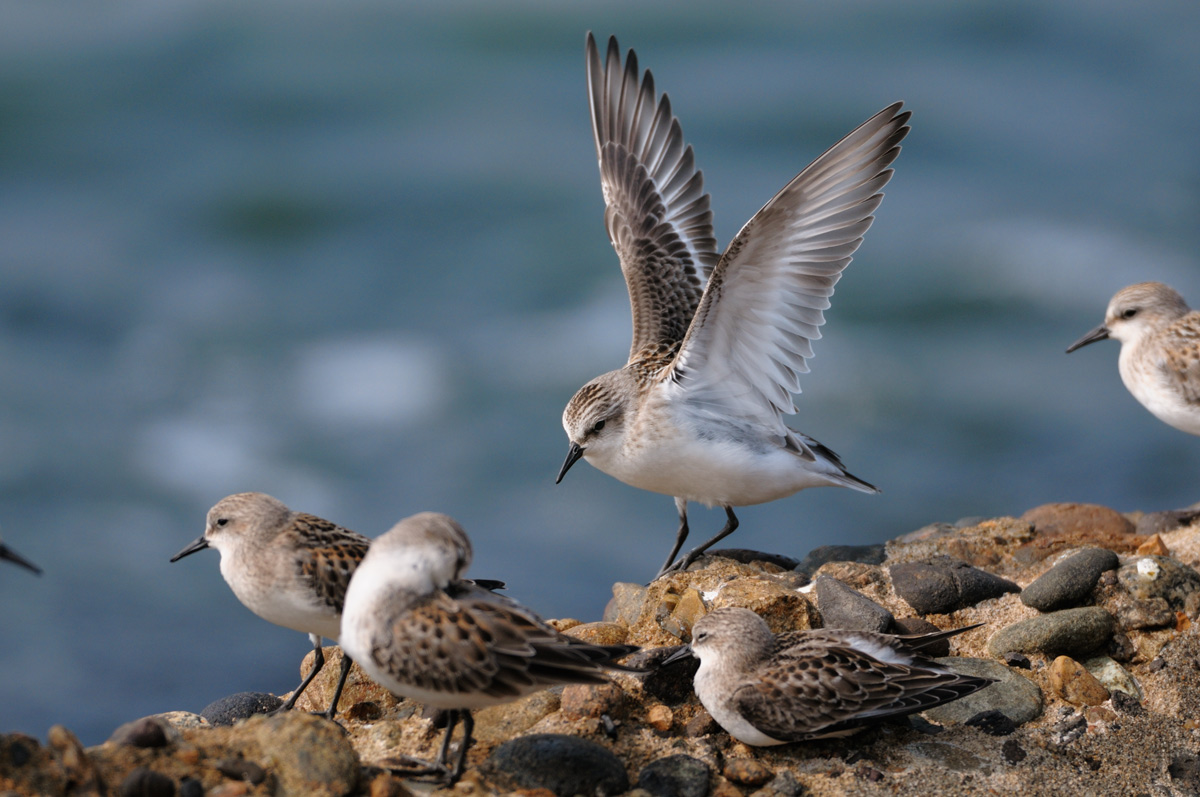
(422, 631)
(1160, 351)
(287, 567)
(696, 413)
(767, 690)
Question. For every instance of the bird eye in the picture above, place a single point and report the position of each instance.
(599, 425)
(222, 522)
(1130, 313)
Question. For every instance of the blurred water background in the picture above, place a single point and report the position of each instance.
(352, 254)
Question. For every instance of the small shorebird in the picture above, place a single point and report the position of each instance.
(1160, 351)
(696, 413)
(287, 567)
(422, 631)
(16, 558)
(767, 690)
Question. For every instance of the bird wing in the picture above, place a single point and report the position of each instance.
(327, 556)
(472, 641)
(1179, 362)
(656, 211)
(816, 689)
(752, 334)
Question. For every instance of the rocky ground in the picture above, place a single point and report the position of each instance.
(1088, 625)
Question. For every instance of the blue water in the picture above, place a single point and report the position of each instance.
(353, 255)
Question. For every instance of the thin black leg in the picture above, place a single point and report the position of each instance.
(451, 720)
(680, 536)
(337, 692)
(731, 523)
(468, 726)
(318, 663)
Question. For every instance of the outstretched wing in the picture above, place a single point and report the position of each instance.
(657, 212)
(752, 334)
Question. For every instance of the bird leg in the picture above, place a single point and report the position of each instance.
(680, 536)
(731, 523)
(318, 663)
(468, 726)
(438, 765)
(337, 691)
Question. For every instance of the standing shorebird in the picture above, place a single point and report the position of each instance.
(697, 412)
(422, 631)
(1160, 351)
(17, 559)
(287, 567)
(768, 690)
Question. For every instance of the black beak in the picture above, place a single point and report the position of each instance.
(1099, 333)
(573, 455)
(679, 655)
(16, 558)
(199, 544)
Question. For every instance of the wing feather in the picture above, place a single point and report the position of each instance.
(752, 334)
(656, 210)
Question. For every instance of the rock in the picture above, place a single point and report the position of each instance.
(190, 787)
(240, 706)
(1019, 698)
(1077, 525)
(688, 607)
(941, 584)
(1159, 577)
(947, 756)
(1099, 715)
(142, 782)
(147, 732)
(1153, 547)
(783, 608)
(359, 689)
(782, 785)
(672, 684)
(749, 557)
(675, 776)
(495, 724)
(843, 607)
(993, 723)
(626, 604)
(1013, 752)
(180, 721)
(1071, 681)
(1113, 676)
(747, 771)
(601, 633)
(307, 755)
(241, 769)
(80, 771)
(701, 725)
(1067, 730)
(1069, 631)
(659, 717)
(28, 767)
(866, 554)
(566, 765)
(1070, 580)
(1184, 771)
(1127, 704)
(1018, 660)
(592, 700)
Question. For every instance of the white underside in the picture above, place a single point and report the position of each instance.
(714, 694)
(1161, 398)
(281, 600)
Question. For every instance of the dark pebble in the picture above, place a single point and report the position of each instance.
(1067, 631)
(671, 684)
(843, 607)
(1127, 703)
(1019, 660)
(143, 782)
(922, 725)
(1162, 522)
(746, 556)
(784, 785)
(146, 732)
(870, 774)
(229, 710)
(1184, 770)
(1069, 581)
(942, 584)
(863, 554)
(17, 752)
(1013, 753)
(675, 776)
(241, 769)
(566, 765)
(190, 787)
(1120, 648)
(701, 725)
(993, 723)
(1157, 664)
